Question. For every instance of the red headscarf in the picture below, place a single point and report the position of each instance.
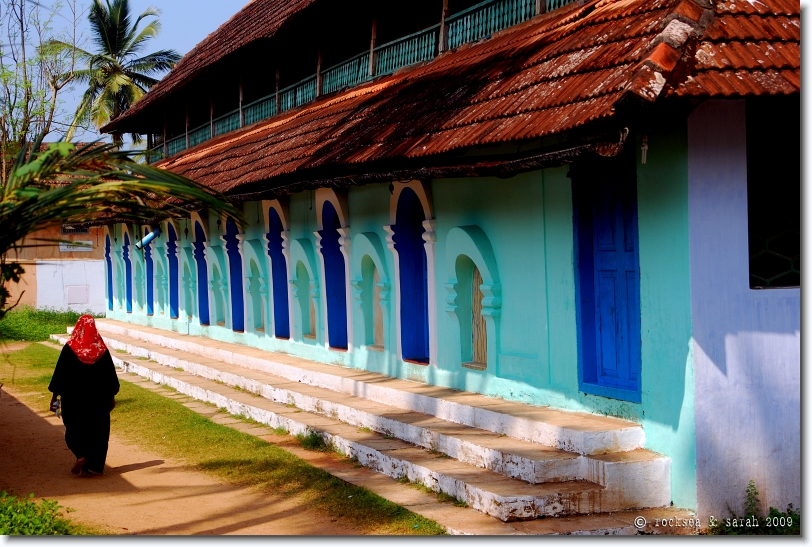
(86, 342)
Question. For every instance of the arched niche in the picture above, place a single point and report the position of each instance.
(233, 240)
(218, 287)
(421, 189)
(200, 244)
(256, 288)
(281, 206)
(277, 237)
(412, 241)
(172, 247)
(108, 262)
(371, 285)
(305, 290)
(149, 268)
(468, 247)
(334, 273)
(338, 199)
(189, 285)
(128, 268)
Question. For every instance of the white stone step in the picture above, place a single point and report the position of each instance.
(577, 432)
(638, 478)
(496, 495)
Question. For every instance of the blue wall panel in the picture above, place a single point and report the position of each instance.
(279, 275)
(172, 256)
(414, 312)
(202, 274)
(128, 272)
(109, 260)
(335, 278)
(235, 277)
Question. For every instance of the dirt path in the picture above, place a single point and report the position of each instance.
(140, 492)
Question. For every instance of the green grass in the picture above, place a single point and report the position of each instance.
(26, 517)
(31, 325)
(312, 441)
(169, 428)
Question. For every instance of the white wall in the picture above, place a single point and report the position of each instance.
(746, 342)
(80, 281)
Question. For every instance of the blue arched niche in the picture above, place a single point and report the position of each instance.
(279, 275)
(109, 259)
(335, 282)
(150, 267)
(172, 257)
(235, 275)
(199, 254)
(128, 273)
(413, 269)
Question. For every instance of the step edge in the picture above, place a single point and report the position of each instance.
(612, 440)
(472, 492)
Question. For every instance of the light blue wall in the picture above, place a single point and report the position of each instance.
(746, 342)
(521, 231)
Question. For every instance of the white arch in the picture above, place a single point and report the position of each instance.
(423, 191)
(369, 244)
(338, 199)
(472, 242)
(301, 250)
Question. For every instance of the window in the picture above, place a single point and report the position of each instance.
(774, 191)
(479, 334)
(67, 229)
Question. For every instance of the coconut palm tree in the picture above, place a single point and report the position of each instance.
(92, 183)
(117, 75)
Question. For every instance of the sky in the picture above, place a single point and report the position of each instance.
(184, 23)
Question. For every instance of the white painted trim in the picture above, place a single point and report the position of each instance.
(390, 244)
(430, 238)
(344, 242)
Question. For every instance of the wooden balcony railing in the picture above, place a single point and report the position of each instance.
(486, 18)
(347, 74)
(415, 48)
(469, 25)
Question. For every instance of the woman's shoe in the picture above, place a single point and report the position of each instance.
(78, 465)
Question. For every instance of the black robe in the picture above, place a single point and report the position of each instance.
(87, 394)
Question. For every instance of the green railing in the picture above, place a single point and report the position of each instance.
(176, 145)
(415, 48)
(156, 153)
(199, 134)
(259, 109)
(486, 18)
(297, 94)
(347, 74)
(226, 123)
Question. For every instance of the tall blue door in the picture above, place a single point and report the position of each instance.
(608, 271)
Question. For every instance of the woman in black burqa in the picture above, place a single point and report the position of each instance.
(85, 378)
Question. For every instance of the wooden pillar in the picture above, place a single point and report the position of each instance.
(242, 115)
(442, 43)
(211, 117)
(166, 146)
(187, 125)
(372, 46)
(278, 98)
(541, 6)
(318, 72)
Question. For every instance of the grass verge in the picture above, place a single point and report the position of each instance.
(172, 430)
(31, 325)
(26, 517)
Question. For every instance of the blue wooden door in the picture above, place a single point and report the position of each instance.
(607, 267)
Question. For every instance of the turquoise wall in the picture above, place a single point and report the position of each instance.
(519, 233)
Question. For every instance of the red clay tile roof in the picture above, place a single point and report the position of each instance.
(752, 47)
(257, 20)
(554, 73)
